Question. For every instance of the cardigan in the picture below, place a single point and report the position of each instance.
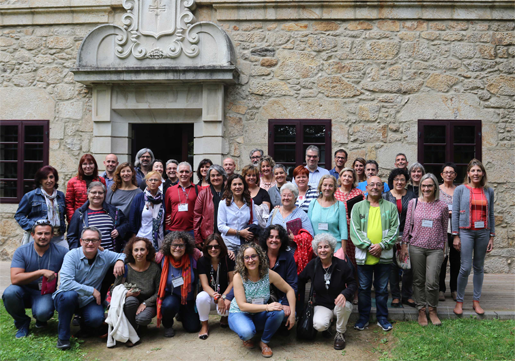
(405, 201)
(461, 206)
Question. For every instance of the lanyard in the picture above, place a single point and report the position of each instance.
(49, 258)
(186, 194)
(215, 286)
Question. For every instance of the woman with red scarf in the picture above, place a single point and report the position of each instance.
(177, 288)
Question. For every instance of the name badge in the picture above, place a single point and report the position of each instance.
(183, 207)
(323, 226)
(480, 224)
(427, 223)
(40, 285)
(258, 301)
(449, 206)
(177, 282)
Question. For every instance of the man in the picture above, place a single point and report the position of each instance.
(180, 201)
(401, 161)
(315, 172)
(83, 271)
(110, 163)
(340, 158)
(374, 227)
(371, 170)
(143, 163)
(31, 262)
(171, 172)
(229, 166)
(255, 156)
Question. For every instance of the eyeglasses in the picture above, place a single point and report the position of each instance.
(255, 157)
(145, 156)
(215, 246)
(252, 256)
(375, 185)
(179, 246)
(448, 173)
(96, 193)
(312, 156)
(153, 180)
(341, 158)
(90, 240)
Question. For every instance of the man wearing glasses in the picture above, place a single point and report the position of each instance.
(255, 156)
(340, 158)
(83, 271)
(34, 267)
(143, 163)
(315, 172)
(374, 227)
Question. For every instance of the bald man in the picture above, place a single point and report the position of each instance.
(110, 163)
(229, 166)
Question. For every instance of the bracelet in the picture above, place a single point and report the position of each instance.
(216, 299)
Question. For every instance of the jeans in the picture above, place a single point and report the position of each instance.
(247, 324)
(380, 274)
(472, 242)
(454, 261)
(143, 318)
(171, 306)
(426, 265)
(67, 304)
(17, 298)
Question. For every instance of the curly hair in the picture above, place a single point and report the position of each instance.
(228, 192)
(252, 170)
(117, 179)
(267, 159)
(129, 258)
(184, 236)
(214, 237)
(283, 236)
(394, 173)
(240, 262)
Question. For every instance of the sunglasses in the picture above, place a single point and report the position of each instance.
(216, 246)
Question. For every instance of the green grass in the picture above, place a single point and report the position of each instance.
(465, 339)
(38, 346)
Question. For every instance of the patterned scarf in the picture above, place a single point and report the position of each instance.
(52, 207)
(156, 204)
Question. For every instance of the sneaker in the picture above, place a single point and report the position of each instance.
(63, 345)
(361, 325)
(385, 325)
(23, 331)
(169, 332)
(41, 324)
(339, 341)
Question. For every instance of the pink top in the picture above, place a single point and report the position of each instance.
(265, 185)
(430, 225)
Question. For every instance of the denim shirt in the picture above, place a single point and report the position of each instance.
(33, 207)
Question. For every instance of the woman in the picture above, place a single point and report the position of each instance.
(44, 202)
(416, 171)
(280, 180)
(205, 214)
(289, 211)
(250, 310)
(96, 212)
(334, 285)
(124, 188)
(216, 271)
(427, 236)
(327, 214)
(400, 196)
(447, 188)
(236, 213)
(141, 270)
(76, 190)
(177, 288)
(473, 227)
(306, 192)
(157, 166)
(259, 196)
(359, 166)
(148, 211)
(266, 179)
(202, 170)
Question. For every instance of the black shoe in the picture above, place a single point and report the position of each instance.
(41, 324)
(411, 304)
(63, 345)
(76, 320)
(82, 333)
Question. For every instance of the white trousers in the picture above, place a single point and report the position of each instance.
(206, 304)
(323, 316)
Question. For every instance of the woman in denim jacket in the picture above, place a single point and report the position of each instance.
(473, 228)
(44, 202)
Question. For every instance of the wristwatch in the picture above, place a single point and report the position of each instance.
(223, 297)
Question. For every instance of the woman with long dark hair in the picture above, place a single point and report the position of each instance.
(124, 188)
(202, 169)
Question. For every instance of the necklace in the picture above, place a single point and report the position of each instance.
(327, 277)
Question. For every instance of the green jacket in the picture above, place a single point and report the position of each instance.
(359, 226)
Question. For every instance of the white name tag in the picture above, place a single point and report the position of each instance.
(480, 224)
(258, 301)
(323, 226)
(427, 223)
(183, 207)
(40, 285)
(449, 206)
(177, 282)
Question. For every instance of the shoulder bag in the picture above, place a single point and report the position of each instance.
(405, 262)
(305, 329)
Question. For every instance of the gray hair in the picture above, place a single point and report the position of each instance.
(435, 182)
(256, 150)
(90, 228)
(277, 166)
(220, 171)
(170, 161)
(185, 163)
(140, 153)
(96, 184)
(414, 166)
(313, 148)
(323, 237)
(292, 188)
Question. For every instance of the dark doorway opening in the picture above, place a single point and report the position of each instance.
(167, 141)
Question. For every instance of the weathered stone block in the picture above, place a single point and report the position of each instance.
(295, 64)
(415, 25)
(31, 42)
(337, 67)
(479, 65)
(294, 27)
(496, 265)
(360, 25)
(441, 82)
(51, 74)
(70, 110)
(6, 41)
(463, 51)
(376, 50)
(452, 36)
(234, 126)
(486, 51)
(259, 71)
(270, 88)
(24, 79)
(326, 26)
(64, 91)
(388, 25)
(503, 38)
(457, 25)
(263, 52)
(408, 36)
(335, 86)
(430, 35)
(321, 42)
(369, 112)
(502, 85)
(437, 26)
(239, 108)
(365, 133)
(59, 42)
(269, 62)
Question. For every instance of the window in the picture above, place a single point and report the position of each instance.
(289, 138)
(23, 150)
(441, 141)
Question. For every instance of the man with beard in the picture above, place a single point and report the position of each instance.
(110, 163)
(143, 163)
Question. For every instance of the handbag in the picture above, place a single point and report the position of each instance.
(404, 262)
(48, 286)
(305, 329)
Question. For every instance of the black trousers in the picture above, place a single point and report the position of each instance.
(454, 259)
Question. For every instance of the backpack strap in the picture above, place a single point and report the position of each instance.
(251, 213)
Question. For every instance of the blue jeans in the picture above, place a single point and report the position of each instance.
(67, 304)
(380, 273)
(473, 252)
(247, 324)
(18, 298)
(171, 306)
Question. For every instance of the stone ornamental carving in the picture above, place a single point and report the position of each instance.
(157, 29)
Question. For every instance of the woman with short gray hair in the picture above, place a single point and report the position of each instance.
(280, 173)
(416, 171)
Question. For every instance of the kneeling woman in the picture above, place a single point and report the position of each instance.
(335, 285)
(216, 271)
(178, 283)
(250, 310)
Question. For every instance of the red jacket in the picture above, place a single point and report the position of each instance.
(203, 216)
(77, 194)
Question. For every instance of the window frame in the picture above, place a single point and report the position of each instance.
(21, 155)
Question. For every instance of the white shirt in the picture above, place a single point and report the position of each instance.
(235, 218)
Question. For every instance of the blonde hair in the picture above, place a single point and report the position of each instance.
(354, 177)
(153, 172)
(324, 177)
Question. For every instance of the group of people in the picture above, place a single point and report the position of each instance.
(146, 242)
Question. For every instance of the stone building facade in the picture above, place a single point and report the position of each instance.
(373, 68)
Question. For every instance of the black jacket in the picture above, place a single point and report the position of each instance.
(405, 201)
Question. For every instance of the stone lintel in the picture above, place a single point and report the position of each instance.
(94, 14)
